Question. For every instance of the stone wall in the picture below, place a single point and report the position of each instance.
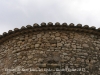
(30, 47)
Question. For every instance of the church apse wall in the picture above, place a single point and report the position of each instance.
(73, 48)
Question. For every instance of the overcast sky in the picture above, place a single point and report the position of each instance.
(17, 13)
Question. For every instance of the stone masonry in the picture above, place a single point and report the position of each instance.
(77, 46)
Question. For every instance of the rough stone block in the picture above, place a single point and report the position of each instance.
(39, 35)
(37, 45)
(57, 34)
(59, 44)
(85, 45)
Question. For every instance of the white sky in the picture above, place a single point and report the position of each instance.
(17, 13)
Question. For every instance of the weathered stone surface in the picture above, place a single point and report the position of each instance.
(41, 52)
(29, 40)
(53, 45)
(67, 45)
(46, 35)
(85, 45)
(59, 44)
(74, 46)
(32, 46)
(37, 45)
(64, 37)
(30, 56)
(73, 59)
(22, 39)
(79, 47)
(19, 42)
(47, 47)
(29, 62)
(65, 53)
(39, 35)
(40, 60)
(52, 36)
(57, 34)
(19, 56)
(42, 74)
(33, 37)
(86, 54)
(58, 38)
(19, 72)
(53, 41)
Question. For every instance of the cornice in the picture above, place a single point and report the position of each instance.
(50, 26)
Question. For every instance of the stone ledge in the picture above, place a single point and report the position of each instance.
(45, 27)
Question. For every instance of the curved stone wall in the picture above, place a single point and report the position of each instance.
(51, 46)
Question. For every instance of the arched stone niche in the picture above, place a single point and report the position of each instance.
(50, 46)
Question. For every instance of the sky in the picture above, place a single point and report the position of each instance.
(18, 13)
